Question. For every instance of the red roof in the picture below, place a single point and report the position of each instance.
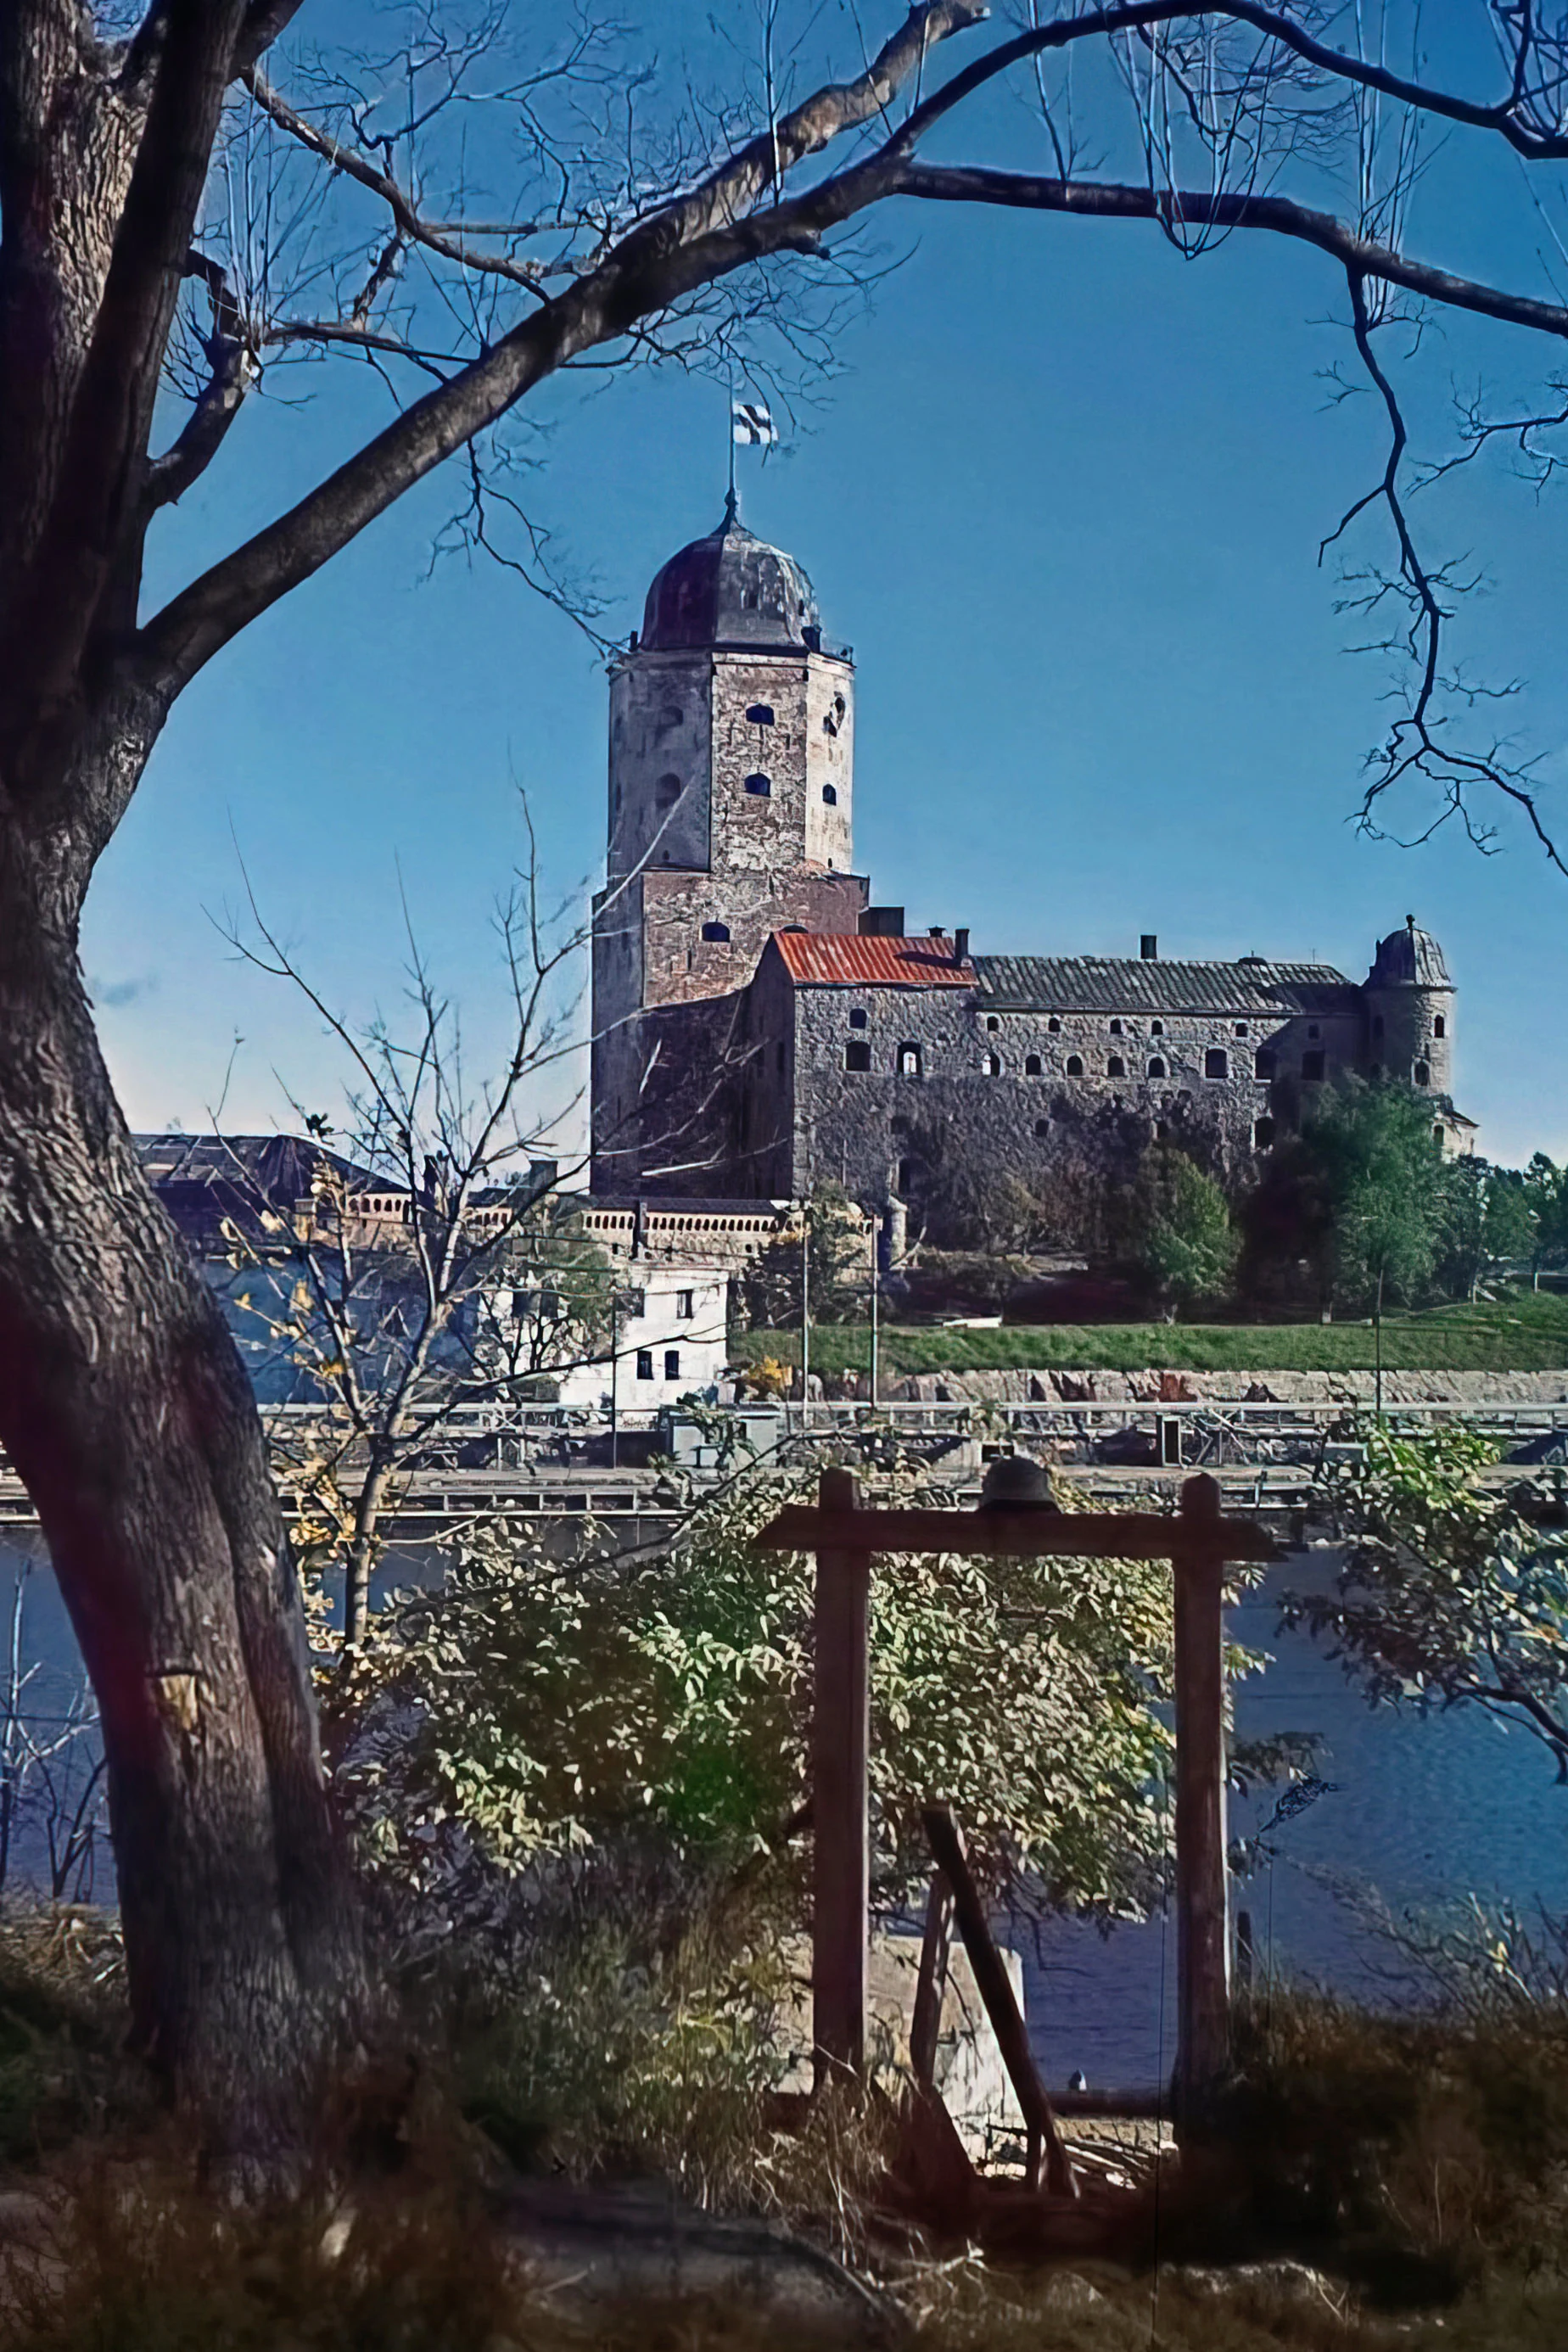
(851, 960)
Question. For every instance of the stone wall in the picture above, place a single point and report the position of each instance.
(1039, 1094)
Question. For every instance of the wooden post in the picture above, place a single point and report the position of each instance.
(840, 1731)
(995, 1989)
(925, 2025)
(1203, 1995)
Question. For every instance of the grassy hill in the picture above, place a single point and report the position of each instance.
(1522, 1332)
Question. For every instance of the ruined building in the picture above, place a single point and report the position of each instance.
(760, 1028)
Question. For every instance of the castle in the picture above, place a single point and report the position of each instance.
(760, 1028)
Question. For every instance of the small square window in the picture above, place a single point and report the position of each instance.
(1241, 1028)
(858, 1018)
(1042, 1127)
(672, 1363)
(992, 1023)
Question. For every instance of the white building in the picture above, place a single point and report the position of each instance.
(672, 1338)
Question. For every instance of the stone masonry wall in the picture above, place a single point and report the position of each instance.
(976, 1084)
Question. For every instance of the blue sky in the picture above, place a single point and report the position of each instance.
(1064, 496)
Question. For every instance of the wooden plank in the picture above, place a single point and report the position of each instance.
(995, 1988)
(1035, 1535)
(1203, 1942)
(840, 1738)
(925, 2025)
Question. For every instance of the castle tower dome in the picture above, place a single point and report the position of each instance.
(1410, 1010)
(731, 588)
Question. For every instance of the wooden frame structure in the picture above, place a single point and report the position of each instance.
(1199, 1542)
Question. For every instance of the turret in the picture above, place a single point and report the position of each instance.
(1410, 1010)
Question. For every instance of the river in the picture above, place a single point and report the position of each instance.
(1422, 1810)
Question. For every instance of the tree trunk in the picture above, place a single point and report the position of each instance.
(128, 1413)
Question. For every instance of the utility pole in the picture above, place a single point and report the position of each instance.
(614, 1379)
(805, 1312)
(876, 1226)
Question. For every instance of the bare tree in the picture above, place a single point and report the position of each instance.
(435, 1264)
(178, 217)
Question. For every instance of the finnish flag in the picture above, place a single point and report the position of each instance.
(750, 425)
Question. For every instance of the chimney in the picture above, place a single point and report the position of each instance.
(1149, 947)
(937, 932)
(961, 945)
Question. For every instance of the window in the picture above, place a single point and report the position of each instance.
(759, 786)
(1156, 1028)
(1042, 1127)
(666, 791)
(672, 1363)
(715, 930)
(1262, 1134)
(905, 1172)
(1241, 1028)
(761, 714)
(992, 1023)
(990, 1065)
(1437, 1135)
(909, 1062)
(683, 1305)
(1313, 1030)
(1054, 1026)
(1156, 1066)
(1031, 1066)
(779, 1056)
(830, 796)
(857, 1054)
(1216, 1063)
(858, 1018)
(1115, 1067)
(1439, 1027)
(1423, 1073)
(1075, 1066)
(1116, 1028)
(645, 1363)
(1161, 1129)
(1263, 1062)
(1313, 1068)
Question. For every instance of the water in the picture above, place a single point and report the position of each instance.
(1425, 1811)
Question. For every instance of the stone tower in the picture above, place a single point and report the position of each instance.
(1410, 1010)
(732, 780)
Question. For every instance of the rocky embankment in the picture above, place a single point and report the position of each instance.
(1460, 1389)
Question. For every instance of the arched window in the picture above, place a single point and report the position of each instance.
(1075, 1066)
(1423, 1073)
(761, 714)
(1216, 1063)
(830, 796)
(715, 930)
(907, 1064)
(1262, 1134)
(1115, 1067)
(1042, 1127)
(1031, 1066)
(1437, 1135)
(1263, 1062)
(1156, 1028)
(666, 791)
(857, 1054)
(759, 786)
(858, 1018)
(1054, 1026)
(1439, 1027)
(1156, 1066)
(1116, 1028)
(990, 1065)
